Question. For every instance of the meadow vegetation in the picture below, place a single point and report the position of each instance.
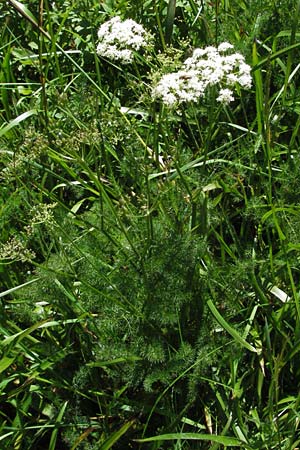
(149, 224)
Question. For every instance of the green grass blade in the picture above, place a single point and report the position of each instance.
(6, 435)
(223, 440)
(9, 291)
(275, 55)
(170, 20)
(116, 436)
(6, 76)
(114, 361)
(5, 362)
(25, 12)
(291, 53)
(53, 439)
(13, 123)
(22, 334)
(258, 91)
(236, 336)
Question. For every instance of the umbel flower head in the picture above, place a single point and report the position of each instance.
(119, 39)
(179, 87)
(211, 66)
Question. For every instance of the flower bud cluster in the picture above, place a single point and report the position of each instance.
(15, 249)
(211, 66)
(119, 39)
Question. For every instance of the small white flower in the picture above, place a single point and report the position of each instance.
(118, 40)
(232, 78)
(224, 46)
(245, 81)
(225, 96)
(211, 51)
(198, 53)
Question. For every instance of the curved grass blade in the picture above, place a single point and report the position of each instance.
(236, 336)
(22, 334)
(9, 291)
(223, 440)
(198, 163)
(4, 436)
(275, 55)
(16, 121)
(117, 435)
(25, 12)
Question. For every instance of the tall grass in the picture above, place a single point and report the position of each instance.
(149, 255)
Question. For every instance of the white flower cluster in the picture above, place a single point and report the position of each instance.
(211, 66)
(118, 40)
(178, 87)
